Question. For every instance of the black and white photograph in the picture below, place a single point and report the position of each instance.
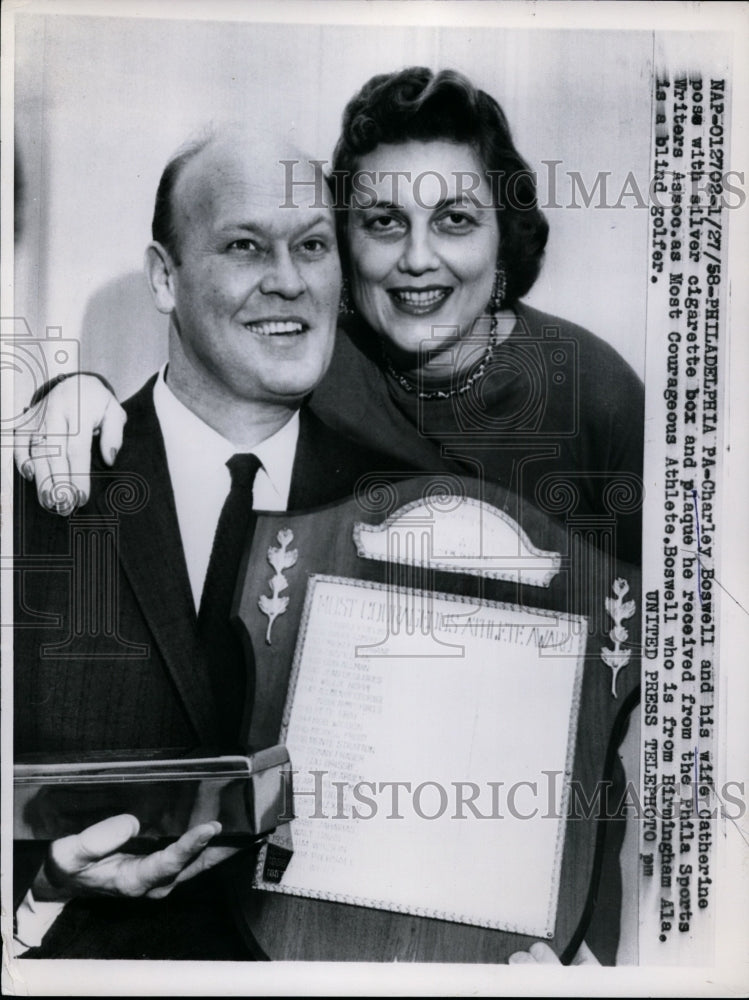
(374, 591)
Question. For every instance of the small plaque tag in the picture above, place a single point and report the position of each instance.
(279, 850)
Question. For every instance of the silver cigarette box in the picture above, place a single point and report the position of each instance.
(249, 795)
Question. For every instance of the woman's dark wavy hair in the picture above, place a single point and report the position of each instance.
(416, 104)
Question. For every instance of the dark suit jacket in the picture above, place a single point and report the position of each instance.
(107, 657)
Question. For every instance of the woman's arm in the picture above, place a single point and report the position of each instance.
(58, 453)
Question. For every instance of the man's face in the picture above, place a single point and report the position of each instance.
(255, 292)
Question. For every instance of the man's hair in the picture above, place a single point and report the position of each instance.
(415, 104)
(163, 227)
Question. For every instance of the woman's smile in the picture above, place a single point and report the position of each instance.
(419, 301)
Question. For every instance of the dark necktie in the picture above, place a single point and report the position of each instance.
(229, 662)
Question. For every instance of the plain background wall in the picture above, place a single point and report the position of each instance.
(101, 103)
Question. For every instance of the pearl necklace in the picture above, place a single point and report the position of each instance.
(456, 390)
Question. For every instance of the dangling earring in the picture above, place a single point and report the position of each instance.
(497, 298)
(346, 305)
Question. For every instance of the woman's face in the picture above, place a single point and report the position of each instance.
(423, 248)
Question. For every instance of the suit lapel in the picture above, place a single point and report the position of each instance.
(326, 465)
(153, 560)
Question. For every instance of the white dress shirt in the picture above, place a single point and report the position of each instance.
(196, 457)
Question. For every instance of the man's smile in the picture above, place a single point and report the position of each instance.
(277, 327)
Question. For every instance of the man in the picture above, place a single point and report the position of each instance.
(251, 290)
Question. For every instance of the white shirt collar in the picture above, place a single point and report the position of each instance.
(197, 456)
(193, 444)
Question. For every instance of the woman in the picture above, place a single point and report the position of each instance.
(437, 358)
(439, 353)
